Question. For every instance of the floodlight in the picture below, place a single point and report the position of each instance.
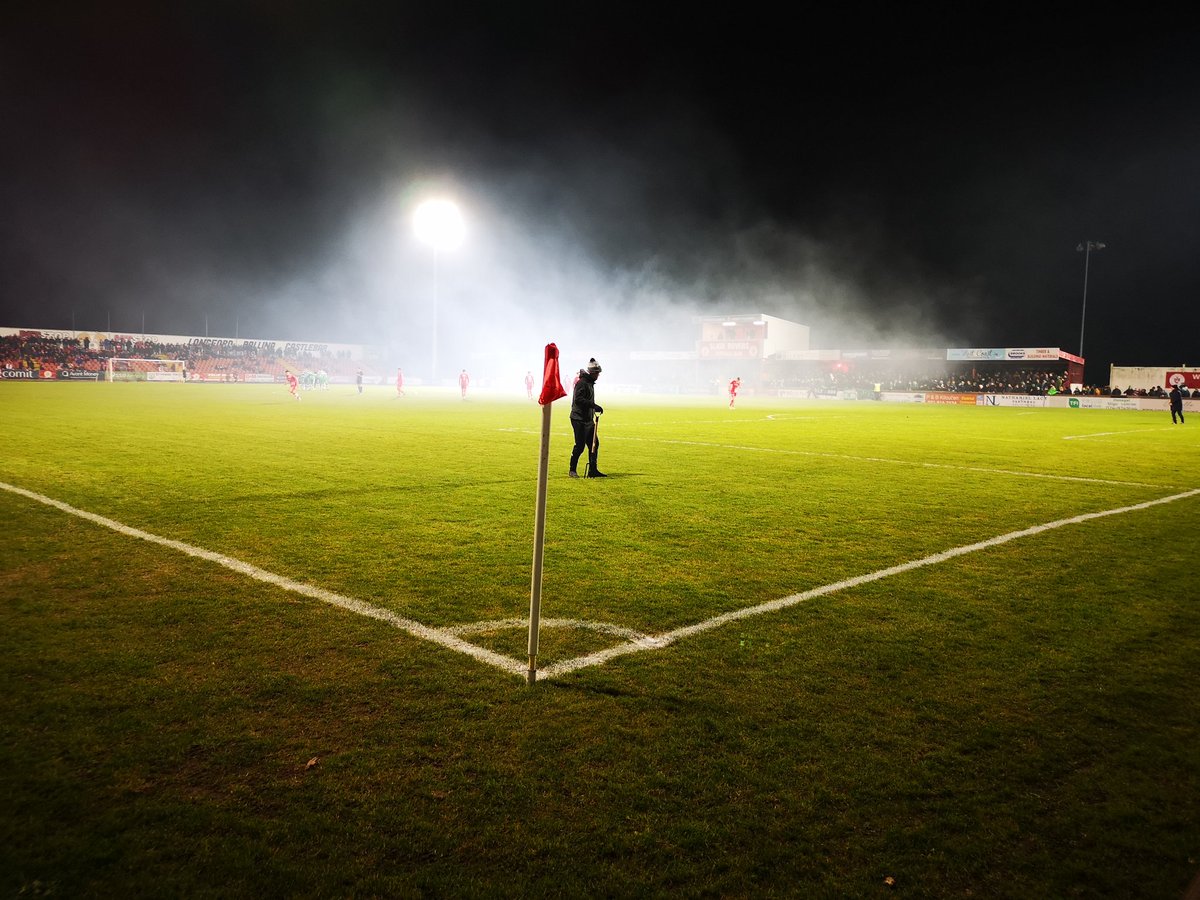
(439, 224)
(1086, 248)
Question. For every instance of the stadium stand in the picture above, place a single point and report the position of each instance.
(49, 355)
(44, 358)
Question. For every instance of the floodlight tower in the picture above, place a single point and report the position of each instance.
(1086, 249)
(438, 224)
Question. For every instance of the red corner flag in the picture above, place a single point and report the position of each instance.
(552, 387)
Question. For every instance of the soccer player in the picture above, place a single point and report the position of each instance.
(293, 383)
(463, 380)
(399, 382)
(358, 377)
(733, 389)
(529, 385)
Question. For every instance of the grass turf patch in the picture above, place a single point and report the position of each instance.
(1015, 722)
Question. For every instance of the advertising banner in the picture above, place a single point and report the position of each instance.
(1104, 402)
(728, 349)
(1190, 380)
(948, 399)
(1041, 354)
(976, 353)
(1022, 400)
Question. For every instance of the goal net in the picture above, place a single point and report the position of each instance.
(145, 369)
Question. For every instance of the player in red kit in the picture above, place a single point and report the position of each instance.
(293, 382)
(399, 383)
(733, 389)
(529, 385)
(463, 380)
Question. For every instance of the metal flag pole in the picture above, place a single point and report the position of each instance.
(539, 538)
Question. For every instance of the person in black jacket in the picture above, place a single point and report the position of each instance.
(583, 405)
(1176, 397)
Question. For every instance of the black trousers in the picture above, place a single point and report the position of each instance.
(585, 434)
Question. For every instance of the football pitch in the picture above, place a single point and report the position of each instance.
(254, 646)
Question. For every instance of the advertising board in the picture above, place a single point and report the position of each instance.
(1022, 400)
(1190, 380)
(952, 399)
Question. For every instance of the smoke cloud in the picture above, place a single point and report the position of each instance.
(282, 208)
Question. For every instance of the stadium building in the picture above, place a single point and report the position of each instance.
(773, 357)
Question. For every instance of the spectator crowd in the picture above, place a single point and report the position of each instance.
(1034, 382)
(41, 355)
(50, 355)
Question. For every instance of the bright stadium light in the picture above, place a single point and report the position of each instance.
(439, 224)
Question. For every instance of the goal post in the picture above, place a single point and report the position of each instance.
(121, 369)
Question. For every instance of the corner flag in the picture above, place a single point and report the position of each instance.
(552, 387)
(552, 390)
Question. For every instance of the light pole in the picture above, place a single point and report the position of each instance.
(439, 224)
(1086, 249)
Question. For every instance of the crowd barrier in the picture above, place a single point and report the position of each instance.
(1056, 401)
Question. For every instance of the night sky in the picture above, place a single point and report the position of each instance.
(884, 177)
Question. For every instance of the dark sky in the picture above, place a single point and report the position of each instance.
(876, 174)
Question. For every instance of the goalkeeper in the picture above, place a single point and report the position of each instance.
(583, 411)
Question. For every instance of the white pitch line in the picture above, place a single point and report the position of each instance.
(881, 459)
(636, 641)
(1078, 437)
(629, 634)
(884, 459)
(669, 637)
(928, 465)
(416, 629)
(740, 420)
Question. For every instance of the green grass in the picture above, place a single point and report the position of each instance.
(1021, 721)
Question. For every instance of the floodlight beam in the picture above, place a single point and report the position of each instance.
(438, 224)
